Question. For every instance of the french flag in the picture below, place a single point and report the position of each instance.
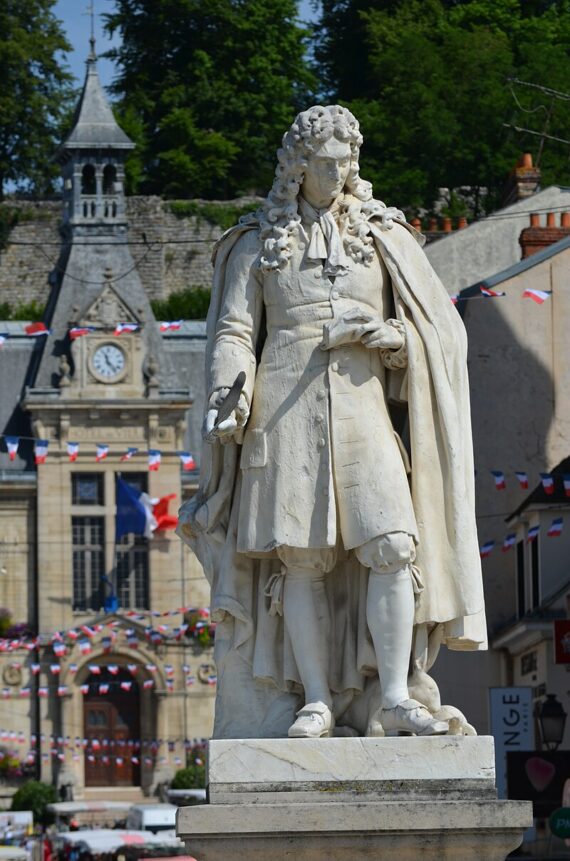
(55, 669)
(126, 686)
(102, 452)
(532, 533)
(148, 684)
(566, 480)
(113, 669)
(79, 331)
(555, 528)
(509, 541)
(491, 294)
(62, 690)
(40, 450)
(188, 462)
(120, 328)
(12, 443)
(134, 512)
(129, 454)
(538, 296)
(104, 688)
(36, 330)
(522, 479)
(164, 520)
(171, 326)
(42, 692)
(84, 689)
(85, 647)
(499, 477)
(95, 669)
(547, 482)
(72, 451)
(154, 458)
(486, 549)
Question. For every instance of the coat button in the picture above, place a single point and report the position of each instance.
(321, 443)
(335, 294)
(316, 273)
(321, 396)
(320, 418)
(334, 366)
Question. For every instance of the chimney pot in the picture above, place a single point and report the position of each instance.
(534, 219)
(526, 160)
(550, 219)
(433, 226)
(447, 226)
(416, 223)
(565, 220)
(462, 223)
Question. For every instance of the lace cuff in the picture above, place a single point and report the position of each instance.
(396, 360)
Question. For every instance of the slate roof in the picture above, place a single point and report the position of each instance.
(94, 124)
(539, 496)
(15, 356)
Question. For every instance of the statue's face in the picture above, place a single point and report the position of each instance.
(326, 173)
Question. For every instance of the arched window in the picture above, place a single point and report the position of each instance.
(109, 179)
(88, 184)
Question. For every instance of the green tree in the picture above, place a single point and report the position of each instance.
(35, 796)
(34, 93)
(429, 82)
(207, 87)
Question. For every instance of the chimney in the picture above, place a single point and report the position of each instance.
(447, 225)
(522, 182)
(537, 236)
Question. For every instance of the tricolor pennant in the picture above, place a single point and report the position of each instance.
(72, 451)
(120, 328)
(12, 443)
(509, 541)
(491, 294)
(547, 482)
(102, 452)
(555, 528)
(499, 477)
(78, 331)
(522, 478)
(188, 462)
(130, 453)
(538, 296)
(170, 326)
(486, 549)
(566, 480)
(3, 338)
(154, 458)
(36, 330)
(40, 450)
(532, 533)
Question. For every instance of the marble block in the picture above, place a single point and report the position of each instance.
(349, 768)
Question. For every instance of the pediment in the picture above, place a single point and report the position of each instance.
(107, 310)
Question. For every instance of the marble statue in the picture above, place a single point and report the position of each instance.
(335, 514)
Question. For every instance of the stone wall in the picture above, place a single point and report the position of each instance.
(179, 258)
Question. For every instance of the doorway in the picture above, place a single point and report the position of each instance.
(111, 721)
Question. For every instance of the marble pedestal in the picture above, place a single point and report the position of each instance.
(412, 799)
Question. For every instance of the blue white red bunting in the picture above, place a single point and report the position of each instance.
(41, 451)
(532, 533)
(12, 443)
(79, 331)
(102, 450)
(522, 479)
(122, 328)
(555, 528)
(36, 330)
(170, 326)
(538, 296)
(129, 454)
(154, 458)
(72, 451)
(188, 462)
(499, 479)
(509, 541)
(547, 482)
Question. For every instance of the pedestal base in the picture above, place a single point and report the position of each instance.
(412, 799)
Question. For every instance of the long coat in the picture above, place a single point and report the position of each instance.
(319, 447)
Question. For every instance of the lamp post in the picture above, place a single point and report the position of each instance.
(551, 719)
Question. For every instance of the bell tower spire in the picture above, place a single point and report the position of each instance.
(92, 158)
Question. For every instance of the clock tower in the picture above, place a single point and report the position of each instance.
(103, 381)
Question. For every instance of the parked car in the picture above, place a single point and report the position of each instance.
(152, 817)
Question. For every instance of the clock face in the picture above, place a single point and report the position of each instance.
(108, 361)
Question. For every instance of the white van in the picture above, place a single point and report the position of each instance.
(152, 817)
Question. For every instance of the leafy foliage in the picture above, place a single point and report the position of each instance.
(428, 80)
(189, 304)
(194, 775)
(223, 215)
(35, 92)
(35, 796)
(206, 89)
(31, 311)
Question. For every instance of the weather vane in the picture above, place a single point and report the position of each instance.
(91, 12)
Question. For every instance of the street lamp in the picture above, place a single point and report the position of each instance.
(551, 719)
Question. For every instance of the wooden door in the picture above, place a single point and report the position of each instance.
(111, 720)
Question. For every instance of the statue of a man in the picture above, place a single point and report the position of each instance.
(339, 558)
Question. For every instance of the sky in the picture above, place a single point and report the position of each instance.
(75, 19)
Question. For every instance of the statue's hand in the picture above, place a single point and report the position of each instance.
(230, 426)
(380, 335)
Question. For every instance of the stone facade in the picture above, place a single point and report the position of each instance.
(180, 259)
